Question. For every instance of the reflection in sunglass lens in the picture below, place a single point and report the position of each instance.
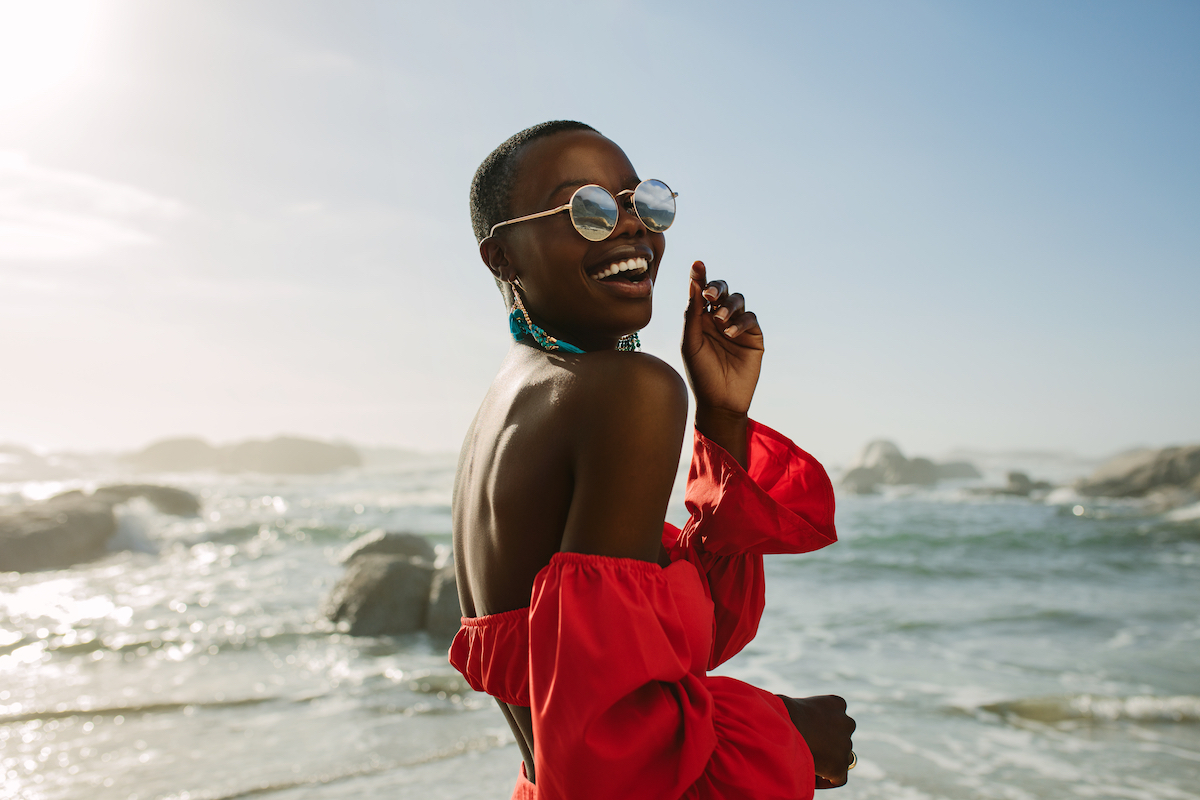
(655, 205)
(593, 213)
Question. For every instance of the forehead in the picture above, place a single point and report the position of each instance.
(571, 156)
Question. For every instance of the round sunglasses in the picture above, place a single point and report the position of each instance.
(594, 210)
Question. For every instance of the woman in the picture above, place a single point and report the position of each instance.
(589, 620)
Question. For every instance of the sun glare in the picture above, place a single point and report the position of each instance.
(43, 44)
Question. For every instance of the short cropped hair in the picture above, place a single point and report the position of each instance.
(491, 190)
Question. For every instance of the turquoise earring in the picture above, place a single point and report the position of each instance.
(520, 326)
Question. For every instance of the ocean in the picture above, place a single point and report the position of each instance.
(988, 647)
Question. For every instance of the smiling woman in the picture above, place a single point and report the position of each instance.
(591, 621)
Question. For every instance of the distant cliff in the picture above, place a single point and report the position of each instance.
(1140, 472)
(882, 463)
(284, 455)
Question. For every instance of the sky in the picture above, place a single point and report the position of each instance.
(960, 224)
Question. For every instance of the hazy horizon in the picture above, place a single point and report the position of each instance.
(962, 226)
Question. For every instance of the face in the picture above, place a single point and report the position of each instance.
(556, 270)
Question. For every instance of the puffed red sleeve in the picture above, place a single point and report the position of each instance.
(621, 705)
(781, 503)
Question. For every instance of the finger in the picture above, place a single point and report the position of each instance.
(746, 323)
(699, 273)
(729, 308)
(715, 291)
(696, 302)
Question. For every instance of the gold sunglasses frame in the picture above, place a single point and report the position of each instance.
(567, 207)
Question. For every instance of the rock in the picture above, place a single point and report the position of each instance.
(880, 453)
(917, 472)
(177, 455)
(445, 612)
(1138, 473)
(955, 470)
(288, 455)
(1020, 485)
(862, 480)
(167, 499)
(383, 542)
(381, 595)
(284, 455)
(65, 530)
(882, 462)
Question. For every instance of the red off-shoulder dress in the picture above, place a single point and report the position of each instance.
(612, 653)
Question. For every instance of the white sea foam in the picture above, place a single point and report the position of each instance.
(1142, 708)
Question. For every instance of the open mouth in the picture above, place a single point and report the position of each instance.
(631, 270)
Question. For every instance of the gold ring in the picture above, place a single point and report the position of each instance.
(853, 761)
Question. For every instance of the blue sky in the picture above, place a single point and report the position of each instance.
(961, 224)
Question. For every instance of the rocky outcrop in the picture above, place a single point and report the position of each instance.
(167, 499)
(957, 470)
(73, 527)
(445, 612)
(881, 462)
(381, 594)
(391, 586)
(176, 455)
(284, 455)
(381, 542)
(1143, 472)
(1019, 485)
(55, 534)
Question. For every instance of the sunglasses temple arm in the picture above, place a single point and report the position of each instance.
(563, 207)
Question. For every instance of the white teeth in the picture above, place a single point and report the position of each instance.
(628, 265)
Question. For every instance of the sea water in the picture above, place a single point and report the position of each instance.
(988, 648)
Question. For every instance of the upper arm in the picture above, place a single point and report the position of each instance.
(632, 415)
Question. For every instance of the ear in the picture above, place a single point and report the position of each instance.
(495, 256)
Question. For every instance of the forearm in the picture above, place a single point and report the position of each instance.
(725, 428)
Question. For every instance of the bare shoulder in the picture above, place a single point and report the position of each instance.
(612, 382)
(631, 412)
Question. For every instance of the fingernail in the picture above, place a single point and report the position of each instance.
(721, 314)
(711, 294)
(731, 331)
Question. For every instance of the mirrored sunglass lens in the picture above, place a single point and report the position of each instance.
(593, 212)
(655, 205)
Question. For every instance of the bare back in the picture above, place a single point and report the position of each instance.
(518, 475)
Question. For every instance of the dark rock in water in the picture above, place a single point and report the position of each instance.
(1138, 473)
(955, 470)
(882, 462)
(285, 455)
(382, 542)
(1019, 485)
(862, 480)
(381, 595)
(917, 472)
(166, 499)
(73, 527)
(291, 456)
(177, 455)
(65, 530)
(445, 612)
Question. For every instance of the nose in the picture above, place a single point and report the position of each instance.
(628, 222)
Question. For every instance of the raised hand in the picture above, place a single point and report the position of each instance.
(826, 729)
(722, 353)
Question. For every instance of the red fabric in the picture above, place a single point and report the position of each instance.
(612, 653)
(524, 790)
(782, 503)
(492, 653)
